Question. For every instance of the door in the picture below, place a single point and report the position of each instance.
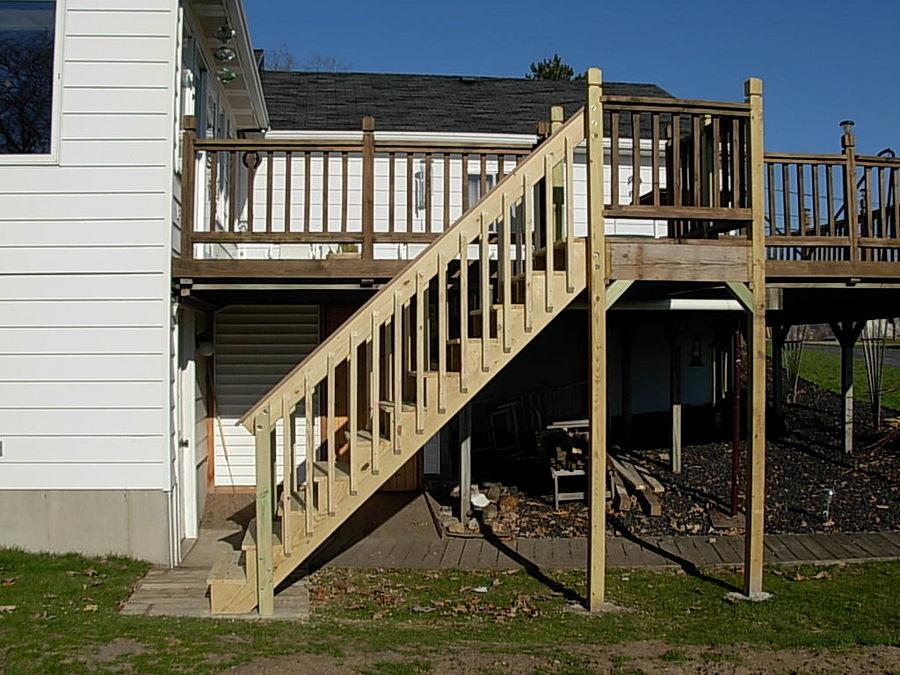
(185, 456)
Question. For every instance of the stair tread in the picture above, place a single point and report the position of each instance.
(389, 406)
(249, 541)
(228, 570)
(341, 470)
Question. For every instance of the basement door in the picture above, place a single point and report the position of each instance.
(255, 346)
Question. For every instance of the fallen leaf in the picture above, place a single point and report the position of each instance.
(90, 608)
(90, 572)
(7, 608)
(8, 582)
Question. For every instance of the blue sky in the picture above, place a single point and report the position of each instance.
(821, 60)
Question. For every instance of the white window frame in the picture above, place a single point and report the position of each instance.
(56, 121)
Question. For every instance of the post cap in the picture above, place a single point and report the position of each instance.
(368, 123)
(753, 87)
(594, 76)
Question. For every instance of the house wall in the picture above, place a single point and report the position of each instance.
(84, 288)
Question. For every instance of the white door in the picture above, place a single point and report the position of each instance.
(186, 465)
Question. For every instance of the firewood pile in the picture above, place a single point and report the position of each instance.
(632, 486)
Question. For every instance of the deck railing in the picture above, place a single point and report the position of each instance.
(343, 196)
(833, 208)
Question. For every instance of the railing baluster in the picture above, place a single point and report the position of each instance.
(500, 168)
(676, 161)
(485, 290)
(882, 207)
(270, 169)
(527, 232)
(213, 189)
(397, 364)
(716, 155)
(483, 175)
(773, 217)
(548, 232)
(801, 199)
(814, 168)
(330, 445)
(829, 196)
(310, 455)
(697, 199)
(504, 264)
(420, 353)
(288, 197)
(325, 165)
(446, 169)
(465, 182)
(635, 158)
(232, 190)
(786, 196)
(307, 189)
(251, 165)
(568, 196)
(410, 178)
(654, 158)
(353, 411)
(613, 161)
(345, 160)
(428, 201)
(736, 163)
(375, 392)
(895, 175)
(442, 332)
(392, 183)
(289, 481)
(463, 309)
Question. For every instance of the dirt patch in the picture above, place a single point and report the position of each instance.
(643, 657)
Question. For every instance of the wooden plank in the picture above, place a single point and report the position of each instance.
(614, 159)
(345, 189)
(528, 230)
(484, 281)
(289, 472)
(232, 190)
(296, 270)
(695, 162)
(375, 391)
(397, 362)
(310, 455)
(679, 213)
(503, 269)
(635, 158)
(549, 239)
(816, 219)
(353, 411)
(326, 160)
(676, 160)
(446, 167)
(330, 444)
(464, 160)
(654, 158)
(188, 186)
(409, 192)
(593, 131)
(570, 215)
(420, 353)
(442, 333)
(695, 261)
(265, 568)
(716, 169)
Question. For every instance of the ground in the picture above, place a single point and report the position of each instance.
(59, 614)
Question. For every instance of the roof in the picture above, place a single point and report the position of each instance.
(338, 101)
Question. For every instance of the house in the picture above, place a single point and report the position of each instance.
(217, 278)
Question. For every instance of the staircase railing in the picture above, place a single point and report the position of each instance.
(382, 348)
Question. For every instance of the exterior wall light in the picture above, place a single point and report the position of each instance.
(226, 75)
(225, 54)
(225, 33)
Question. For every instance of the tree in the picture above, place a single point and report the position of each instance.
(552, 69)
(26, 92)
(281, 58)
(320, 63)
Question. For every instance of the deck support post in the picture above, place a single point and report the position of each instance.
(674, 340)
(465, 462)
(756, 455)
(779, 335)
(847, 333)
(265, 587)
(627, 339)
(368, 188)
(596, 278)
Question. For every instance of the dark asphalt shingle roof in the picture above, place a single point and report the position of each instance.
(339, 101)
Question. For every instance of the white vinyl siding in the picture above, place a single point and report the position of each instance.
(256, 345)
(84, 264)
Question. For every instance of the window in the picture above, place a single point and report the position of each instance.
(27, 34)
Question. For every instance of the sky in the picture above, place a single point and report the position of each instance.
(821, 61)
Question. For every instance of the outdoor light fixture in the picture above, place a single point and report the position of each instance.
(829, 497)
(225, 33)
(225, 75)
(225, 54)
(205, 345)
(847, 126)
(696, 354)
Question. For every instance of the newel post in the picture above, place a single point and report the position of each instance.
(851, 199)
(755, 500)
(596, 276)
(188, 191)
(265, 573)
(368, 188)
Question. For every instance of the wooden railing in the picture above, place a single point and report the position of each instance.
(346, 196)
(833, 208)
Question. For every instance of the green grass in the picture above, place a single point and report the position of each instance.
(65, 616)
(823, 368)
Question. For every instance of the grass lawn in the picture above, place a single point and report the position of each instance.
(59, 614)
(824, 369)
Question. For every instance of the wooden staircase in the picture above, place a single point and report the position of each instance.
(404, 364)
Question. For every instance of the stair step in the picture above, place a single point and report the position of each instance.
(228, 570)
(249, 541)
(341, 471)
(388, 406)
(296, 503)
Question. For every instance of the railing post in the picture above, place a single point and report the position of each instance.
(593, 132)
(188, 192)
(756, 452)
(368, 188)
(851, 199)
(265, 488)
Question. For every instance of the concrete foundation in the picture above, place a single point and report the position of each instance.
(133, 523)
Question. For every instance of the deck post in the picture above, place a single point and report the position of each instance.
(627, 340)
(465, 462)
(265, 588)
(596, 276)
(188, 188)
(851, 200)
(779, 335)
(368, 188)
(756, 464)
(675, 381)
(847, 333)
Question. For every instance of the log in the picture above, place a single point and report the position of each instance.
(629, 473)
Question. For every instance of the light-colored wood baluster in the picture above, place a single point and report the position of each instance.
(442, 332)
(345, 160)
(696, 139)
(654, 158)
(464, 159)
(375, 394)
(503, 264)
(353, 411)
(325, 162)
(288, 197)
(548, 231)
(446, 168)
(463, 309)
(392, 183)
(213, 189)
(569, 196)
(527, 235)
(829, 197)
(232, 190)
(409, 192)
(482, 168)
(675, 179)
(288, 469)
(635, 158)
(484, 280)
(786, 196)
(801, 199)
(310, 454)
(613, 159)
(270, 170)
(428, 225)
(307, 190)
(252, 163)
(773, 220)
(331, 445)
(397, 362)
(816, 219)
(420, 353)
